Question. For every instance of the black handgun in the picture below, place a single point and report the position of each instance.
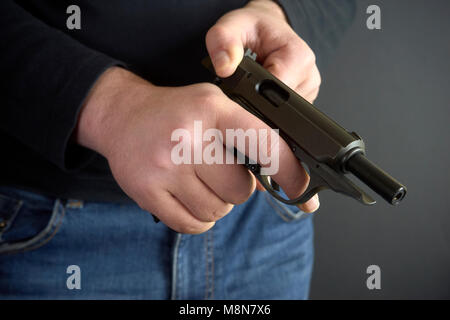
(326, 149)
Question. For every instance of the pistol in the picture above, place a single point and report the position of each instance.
(327, 150)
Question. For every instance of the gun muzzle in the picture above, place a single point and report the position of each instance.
(379, 181)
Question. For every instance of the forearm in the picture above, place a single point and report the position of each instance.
(48, 75)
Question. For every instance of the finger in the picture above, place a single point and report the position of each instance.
(176, 216)
(292, 63)
(199, 199)
(289, 173)
(259, 186)
(311, 205)
(225, 43)
(309, 88)
(232, 182)
(311, 96)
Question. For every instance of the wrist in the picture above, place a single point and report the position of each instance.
(106, 107)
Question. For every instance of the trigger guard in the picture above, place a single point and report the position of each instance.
(308, 194)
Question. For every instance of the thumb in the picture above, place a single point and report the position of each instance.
(225, 45)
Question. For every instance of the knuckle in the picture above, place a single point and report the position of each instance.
(280, 69)
(221, 212)
(277, 68)
(241, 193)
(215, 213)
(216, 32)
(309, 58)
(305, 53)
(209, 97)
(243, 197)
(312, 56)
(315, 93)
(193, 228)
(318, 78)
(209, 88)
(161, 162)
(143, 195)
(144, 205)
(313, 97)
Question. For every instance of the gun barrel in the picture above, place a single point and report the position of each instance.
(379, 181)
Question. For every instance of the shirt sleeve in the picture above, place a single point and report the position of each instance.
(321, 23)
(46, 77)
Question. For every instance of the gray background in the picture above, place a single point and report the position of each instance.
(392, 87)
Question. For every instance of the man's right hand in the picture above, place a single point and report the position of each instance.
(130, 122)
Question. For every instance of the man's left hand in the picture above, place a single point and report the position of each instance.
(262, 26)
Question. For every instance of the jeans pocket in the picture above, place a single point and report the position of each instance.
(287, 212)
(27, 220)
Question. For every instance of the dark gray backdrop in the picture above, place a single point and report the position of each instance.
(392, 86)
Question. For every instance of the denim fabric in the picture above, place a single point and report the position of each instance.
(261, 250)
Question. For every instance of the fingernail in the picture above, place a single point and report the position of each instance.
(316, 201)
(220, 60)
(312, 205)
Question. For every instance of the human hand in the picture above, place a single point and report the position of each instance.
(130, 122)
(262, 27)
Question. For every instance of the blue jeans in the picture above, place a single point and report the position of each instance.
(261, 250)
